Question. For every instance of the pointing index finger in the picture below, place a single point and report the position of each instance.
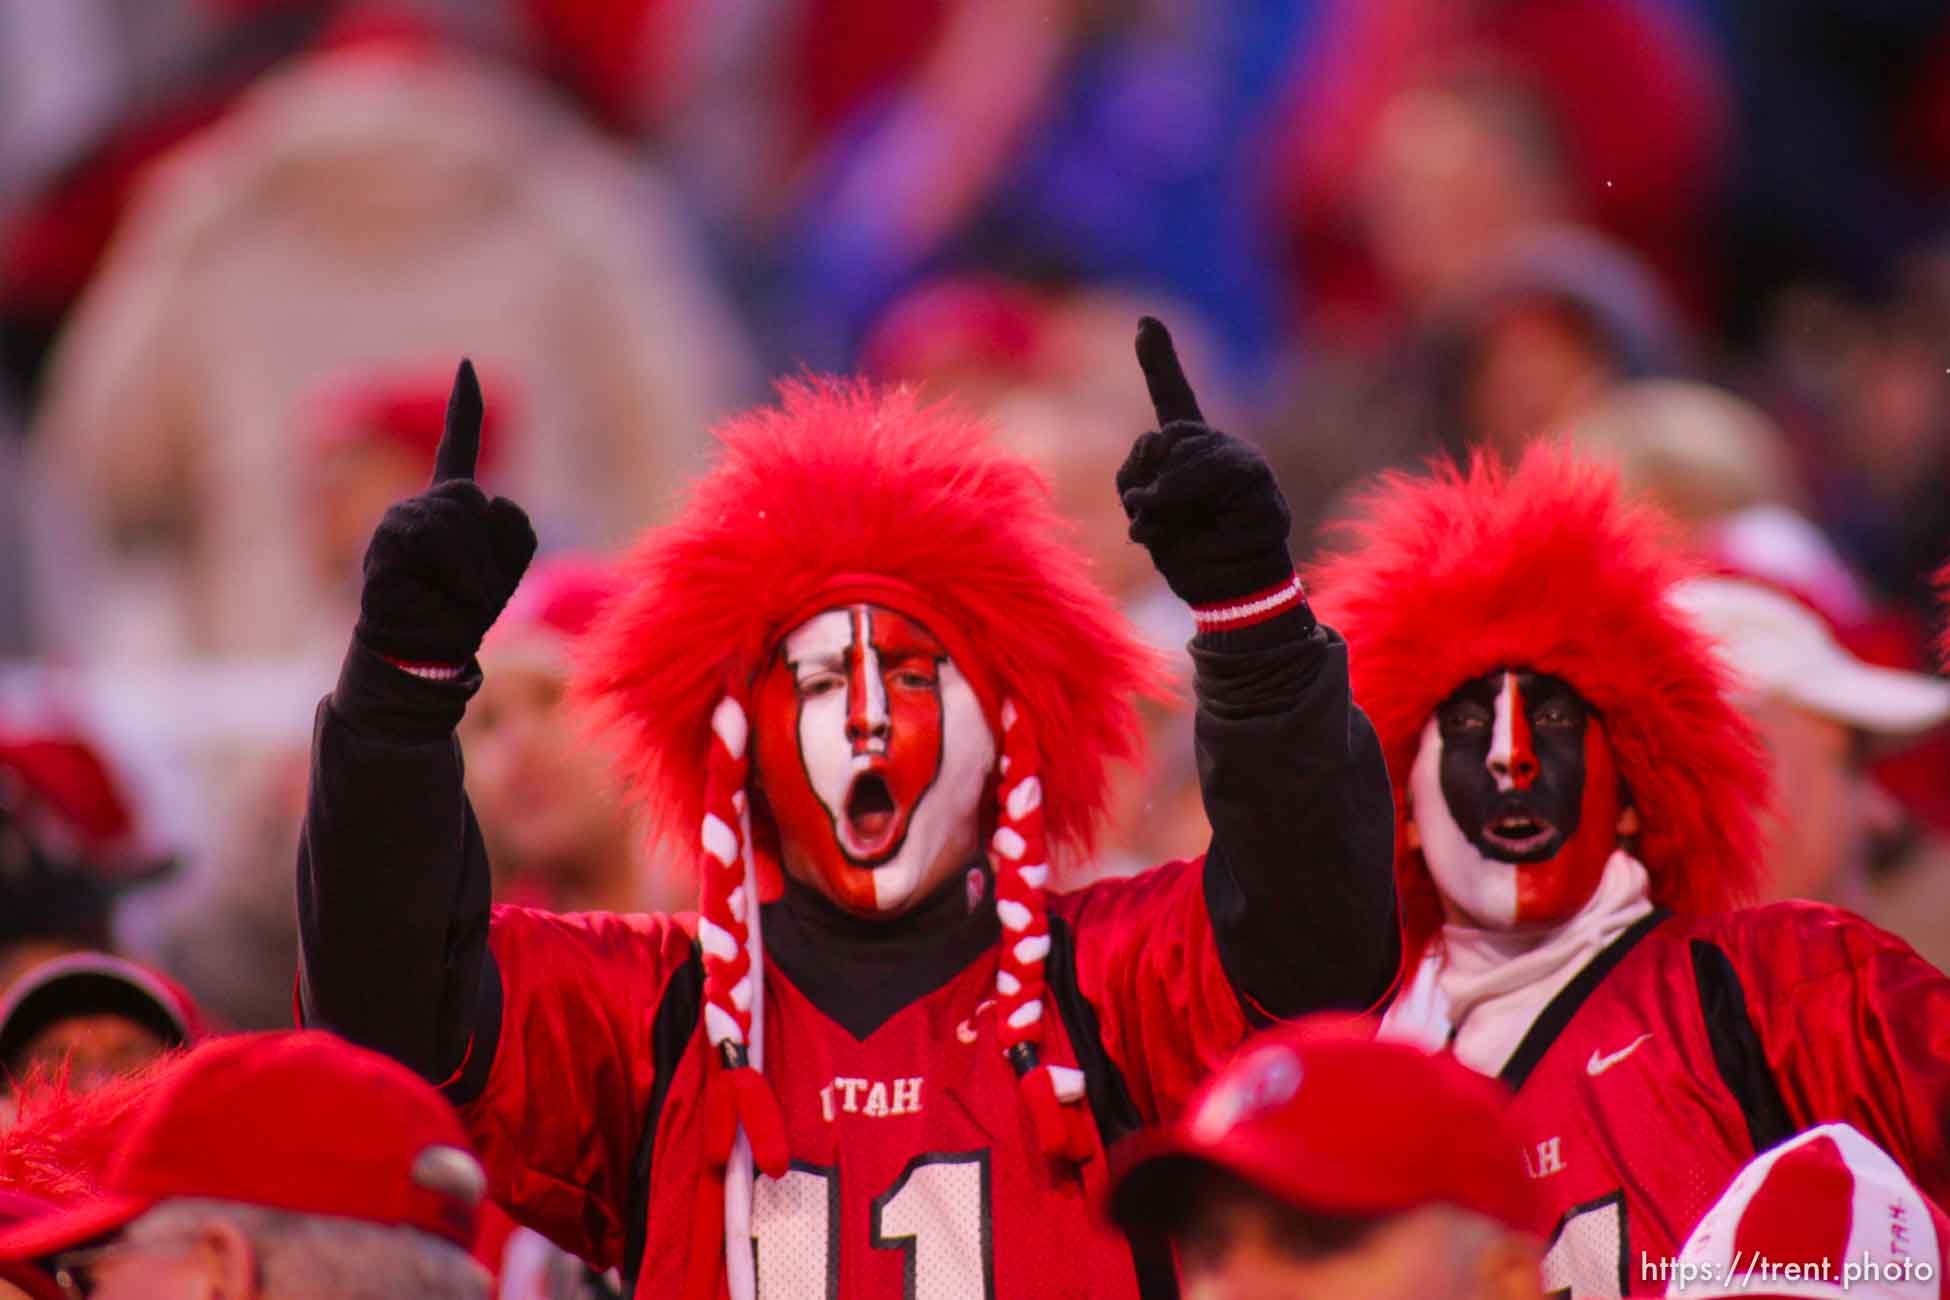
(1171, 395)
(460, 441)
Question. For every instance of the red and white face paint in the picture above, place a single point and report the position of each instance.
(1516, 799)
(873, 755)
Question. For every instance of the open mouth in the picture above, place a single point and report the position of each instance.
(871, 818)
(1518, 834)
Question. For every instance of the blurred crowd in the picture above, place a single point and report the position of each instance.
(243, 243)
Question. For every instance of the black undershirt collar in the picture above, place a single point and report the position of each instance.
(858, 970)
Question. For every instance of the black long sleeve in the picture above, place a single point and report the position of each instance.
(393, 883)
(1299, 880)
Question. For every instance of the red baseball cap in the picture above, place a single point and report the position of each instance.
(95, 983)
(1323, 1117)
(62, 780)
(1829, 1213)
(407, 409)
(983, 321)
(300, 1121)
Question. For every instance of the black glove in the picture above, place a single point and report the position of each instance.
(442, 564)
(1202, 502)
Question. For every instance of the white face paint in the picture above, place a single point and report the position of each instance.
(894, 755)
(945, 831)
(1481, 888)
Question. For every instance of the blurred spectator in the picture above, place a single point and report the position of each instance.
(46, 908)
(358, 218)
(59, 1140)
(60, 1145)
(46, 912)
(1781, 548)
(1843, 157)
(388, 204)
(88, 1018)
(1121, 148)
(200, 1197)
(1726, 470)
(227, 928)
(1545, 329)
(1702, 453)
(68, 845)
(1889, 857)
(79, 872)
(92, 92)
(1533, 340)
(1823, 714)
(55, 1143)
(1458, 124)
(1322, 1162)
(59, 787)
(1884, 849)
(1863, 388)
(550, 805)
(1462, 166)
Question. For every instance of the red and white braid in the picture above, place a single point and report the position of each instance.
(1021, 861)
(739, 1103)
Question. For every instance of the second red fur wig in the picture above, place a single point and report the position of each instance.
(1548, 567)
(845, 479)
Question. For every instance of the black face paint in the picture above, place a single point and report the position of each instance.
(1515, 791)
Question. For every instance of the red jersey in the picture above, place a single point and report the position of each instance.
(574, 1045)
(915, 1170)
(1690, 1045)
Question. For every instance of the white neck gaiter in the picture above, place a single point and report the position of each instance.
(1486, 987)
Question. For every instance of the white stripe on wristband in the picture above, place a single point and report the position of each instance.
(1248, 610)
(431, 672)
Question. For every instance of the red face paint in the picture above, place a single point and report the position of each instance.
(855, 730)
(1554, 889)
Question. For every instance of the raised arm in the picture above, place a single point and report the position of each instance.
(393, 887)
(1298, 880)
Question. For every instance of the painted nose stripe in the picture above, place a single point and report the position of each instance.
(866, 694)
(1513, 760)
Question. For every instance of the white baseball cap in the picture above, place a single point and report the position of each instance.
(1776, 645)
(1828, 1214)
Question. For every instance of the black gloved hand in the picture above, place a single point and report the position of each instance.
(1202, 502)
(442, 564)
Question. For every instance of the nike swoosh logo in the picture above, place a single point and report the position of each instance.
(1597, 1065)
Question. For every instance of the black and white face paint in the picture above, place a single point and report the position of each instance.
(1515, 798)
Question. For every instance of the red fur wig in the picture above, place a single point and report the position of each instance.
(842, 480)
(61, 1142)
(1549, 567)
